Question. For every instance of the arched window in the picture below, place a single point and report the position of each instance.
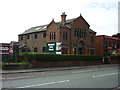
(21, 38)
(35, 35)
(44, 49)
(35, 49)
(44, 34)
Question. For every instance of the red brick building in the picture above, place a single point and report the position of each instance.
(9, 51)
(4, 48)
(13, 47)
(116, 35)
(106, 45)
(75, 36)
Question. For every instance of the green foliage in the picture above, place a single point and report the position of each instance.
(57, 57)
(22, 63)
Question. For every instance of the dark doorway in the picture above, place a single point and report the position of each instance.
(35, 49)
(74, 49)
(79, 50)
(64, 50)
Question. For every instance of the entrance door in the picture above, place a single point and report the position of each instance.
(79, 50)
(64, 50)
(74, 49)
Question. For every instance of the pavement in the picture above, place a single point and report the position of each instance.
(51, 69)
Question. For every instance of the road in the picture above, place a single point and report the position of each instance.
(94, 77)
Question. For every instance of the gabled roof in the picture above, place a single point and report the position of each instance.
(44, 27)
(84, 20)
(91, 31)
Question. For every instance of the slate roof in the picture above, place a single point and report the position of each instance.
(91, 31)
(44, 27)
(35, 29)
(69, 21)
(62, 25)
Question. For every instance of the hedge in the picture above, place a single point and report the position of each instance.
(115, 57)
(58, 57)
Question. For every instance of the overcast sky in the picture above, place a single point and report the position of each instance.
(16, 16)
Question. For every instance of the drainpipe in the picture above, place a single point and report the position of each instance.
(70, 42)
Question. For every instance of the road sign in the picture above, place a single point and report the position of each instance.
(54, 47)
(58, 48)
(51, 47)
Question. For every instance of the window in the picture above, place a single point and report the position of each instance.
(105, 44)
(80, 33)
(21, 38)
(84, 34)
(35, 35)
(92, 51)
(44, 34)
(44, 49)
(75, 33)
(52, 36)
(64, 35)
(109, 43)
(35, 49)
(28, 36)
(118, 45)
(113, 44)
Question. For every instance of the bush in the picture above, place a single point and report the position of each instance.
(115, 57)
(57, 57)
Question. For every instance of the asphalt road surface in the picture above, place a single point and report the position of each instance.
(94, 77)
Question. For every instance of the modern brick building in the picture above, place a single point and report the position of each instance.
(75, 36)
(107, 45)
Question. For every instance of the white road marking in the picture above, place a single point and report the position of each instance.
(109, 68)
(44, 84)
(18, 77)
(2, 78)
(104, 75)
(82, 71)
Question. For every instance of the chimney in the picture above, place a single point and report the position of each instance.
(63, 18)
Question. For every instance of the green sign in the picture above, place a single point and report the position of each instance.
(51, 47)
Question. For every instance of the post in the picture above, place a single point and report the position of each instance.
(103, 60)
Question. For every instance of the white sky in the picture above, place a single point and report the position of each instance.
(16, 16)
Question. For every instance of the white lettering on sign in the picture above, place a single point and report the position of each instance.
(58, 46)
(51, 44)
(51, 49)
(4, 48)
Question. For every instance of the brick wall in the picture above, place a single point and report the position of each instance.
(33, 42)
(65, 63)
(101, 49)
